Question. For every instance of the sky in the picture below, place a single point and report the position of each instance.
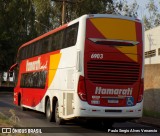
(142, 7)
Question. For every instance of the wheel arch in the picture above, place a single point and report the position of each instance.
(54, 101)
(19, 98)
(46, 99)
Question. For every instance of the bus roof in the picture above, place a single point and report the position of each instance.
(72, 22)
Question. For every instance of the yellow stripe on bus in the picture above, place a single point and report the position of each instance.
(118, 29)
(53, 65)
(130, 51)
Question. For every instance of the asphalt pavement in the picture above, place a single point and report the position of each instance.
(155, 122)
(31, 118)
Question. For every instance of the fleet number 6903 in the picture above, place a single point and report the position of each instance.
(96, 56)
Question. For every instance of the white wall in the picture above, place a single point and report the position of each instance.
(152, 41)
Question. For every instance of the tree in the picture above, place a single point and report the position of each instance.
(43, 15)
(122, 7)
(16, 27)
(153, 19)
(76, 8)
(147, 24)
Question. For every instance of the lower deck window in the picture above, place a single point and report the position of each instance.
(33, 80)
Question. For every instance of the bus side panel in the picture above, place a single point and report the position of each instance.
(63, 84)
(33, 80)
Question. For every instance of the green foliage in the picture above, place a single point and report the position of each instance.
(76, 8)
(153, 19)
(123, 8)
(147, 24)
(150, 113)
(16, 27)
(43, 14)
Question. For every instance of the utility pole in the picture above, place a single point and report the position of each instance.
(64, 8)
(63, 12)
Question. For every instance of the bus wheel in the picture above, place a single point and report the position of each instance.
(49, 113)
(59, 121)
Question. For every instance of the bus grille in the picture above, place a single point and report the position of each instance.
(112, 72)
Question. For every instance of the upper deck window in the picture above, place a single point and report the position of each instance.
(59, 40)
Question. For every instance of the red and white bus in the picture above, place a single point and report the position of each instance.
(91, 67)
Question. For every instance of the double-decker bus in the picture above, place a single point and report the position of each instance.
(91, 67)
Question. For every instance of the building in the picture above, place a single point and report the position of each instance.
(152, 46)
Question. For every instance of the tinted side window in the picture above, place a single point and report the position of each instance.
(38, 48)
(22, 53)
(59, 40)
(44, 44)
(33, 80)
(71, 35)
(50, 44)
(26, 52)
(19, 55)
(30, 51)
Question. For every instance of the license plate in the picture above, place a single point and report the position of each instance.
(113, 101)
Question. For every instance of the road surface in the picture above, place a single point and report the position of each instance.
(31, 118)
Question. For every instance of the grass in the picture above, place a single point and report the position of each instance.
(5, 122)
(10, 122)
(149, 113)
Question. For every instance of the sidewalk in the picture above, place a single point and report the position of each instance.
(155, 122)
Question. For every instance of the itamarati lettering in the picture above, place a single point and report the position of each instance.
(100, 90)
(35, 65)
